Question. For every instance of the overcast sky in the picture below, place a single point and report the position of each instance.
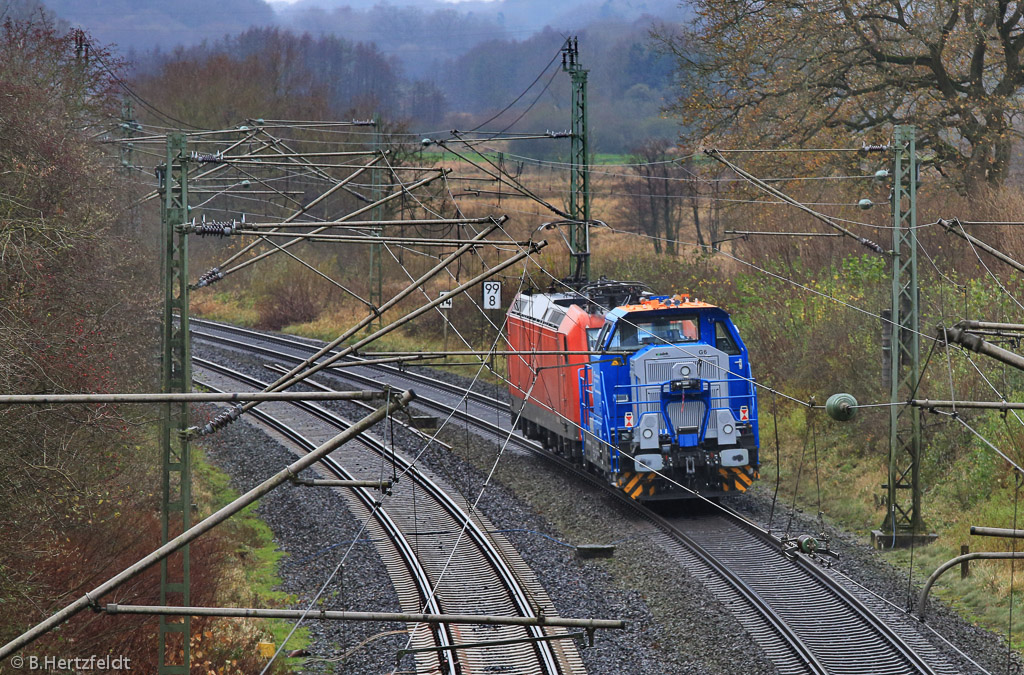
(413, 3)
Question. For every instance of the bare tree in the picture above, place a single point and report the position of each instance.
(831, 71)
(656, 196)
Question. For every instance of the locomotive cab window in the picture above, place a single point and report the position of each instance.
(662, 330)
(724, 341)
(592, 338)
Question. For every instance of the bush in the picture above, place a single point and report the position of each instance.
(287, 296)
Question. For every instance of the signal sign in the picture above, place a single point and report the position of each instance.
(447, 304)
(492, 295)
(629, 419)
(744, 414)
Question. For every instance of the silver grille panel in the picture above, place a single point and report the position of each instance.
(661, 371)
(691, 414)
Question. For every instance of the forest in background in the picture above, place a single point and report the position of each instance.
(248, 75)
(437, 67)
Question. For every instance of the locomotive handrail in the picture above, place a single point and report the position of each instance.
(750, 395)
(613, 451)
(586, 399)
(704, 393)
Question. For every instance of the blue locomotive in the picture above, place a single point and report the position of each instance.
(664, 406)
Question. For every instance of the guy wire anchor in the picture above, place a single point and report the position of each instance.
(809, 546)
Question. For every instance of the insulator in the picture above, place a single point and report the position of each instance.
(872, 245)
(841, 407)
(875, 148)
(214, 228)
(807, 544)
(206, 157)
(219, 422)
(208, 277)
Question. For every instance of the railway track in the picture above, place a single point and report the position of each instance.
(415, 526)
(805, 619)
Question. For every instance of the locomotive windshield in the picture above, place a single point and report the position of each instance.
(631, 333)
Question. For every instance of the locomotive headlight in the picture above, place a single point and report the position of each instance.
(648, 433)
(727, 429)
(685, 371)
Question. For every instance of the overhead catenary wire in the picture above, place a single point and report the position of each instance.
(309, 368)
(149, 106)
(715, 154)
(475, 504)
(521, 95)
(353, 214)
(574, 424)
(767, 272)
(508, 180)
(530, 107)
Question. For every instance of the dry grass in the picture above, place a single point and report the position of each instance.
(227, 307)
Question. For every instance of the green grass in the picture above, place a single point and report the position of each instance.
(443, 156)
(254, 542)
(440, 156)
(608, 158)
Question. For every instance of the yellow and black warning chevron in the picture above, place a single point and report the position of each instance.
(736, 478)
(634, 484)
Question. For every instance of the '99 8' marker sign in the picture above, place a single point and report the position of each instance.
(492, 295)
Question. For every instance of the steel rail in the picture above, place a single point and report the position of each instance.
(792, 641)
(502, 570)
(884, 632)
(406, 551)
(848, 599)
(786, 635)
(474, 396)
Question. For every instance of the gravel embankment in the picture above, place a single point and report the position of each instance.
(866, 566)
(315, 528)
(675, 625)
